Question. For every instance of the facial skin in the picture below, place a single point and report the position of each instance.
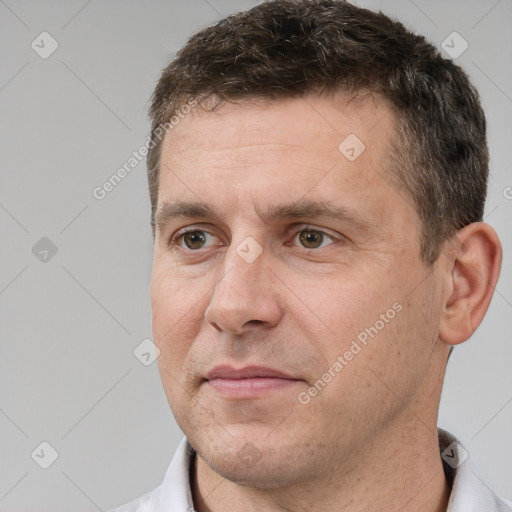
(368, 438)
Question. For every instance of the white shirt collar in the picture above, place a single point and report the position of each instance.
(469, 493)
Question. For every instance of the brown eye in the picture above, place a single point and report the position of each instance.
(194, 239)
(311, 239)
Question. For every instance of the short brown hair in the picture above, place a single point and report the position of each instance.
(290, 48)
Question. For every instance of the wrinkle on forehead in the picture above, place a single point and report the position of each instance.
(250, 122)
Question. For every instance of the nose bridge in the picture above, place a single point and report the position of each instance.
(243, 266)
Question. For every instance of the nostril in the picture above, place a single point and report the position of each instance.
(255, 322)
(216, 326)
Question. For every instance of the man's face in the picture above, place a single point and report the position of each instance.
(340, 305)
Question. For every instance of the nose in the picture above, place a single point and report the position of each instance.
(244, 296)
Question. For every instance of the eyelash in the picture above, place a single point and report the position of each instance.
(179, 236)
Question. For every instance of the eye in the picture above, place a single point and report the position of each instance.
(196, 239)
(192, 239)
(313, 238)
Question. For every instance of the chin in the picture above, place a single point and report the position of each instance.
(260, 465)
(268, 473)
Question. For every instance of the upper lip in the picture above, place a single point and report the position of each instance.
(248, 372)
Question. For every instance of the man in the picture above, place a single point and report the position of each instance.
(318, 177)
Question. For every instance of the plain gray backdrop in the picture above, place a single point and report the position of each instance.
(75, 305)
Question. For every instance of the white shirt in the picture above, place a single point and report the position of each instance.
(468, 493)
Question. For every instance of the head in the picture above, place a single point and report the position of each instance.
(331, 168)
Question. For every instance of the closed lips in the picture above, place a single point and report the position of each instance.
(249, 372)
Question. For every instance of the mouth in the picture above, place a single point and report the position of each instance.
(248, 382)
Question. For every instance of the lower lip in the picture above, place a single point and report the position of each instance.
(249, 388)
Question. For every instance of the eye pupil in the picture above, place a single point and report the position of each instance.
(311, 239)
(194, 239)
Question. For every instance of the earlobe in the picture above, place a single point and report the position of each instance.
(472, 274)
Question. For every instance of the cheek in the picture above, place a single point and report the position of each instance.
(345, 307)
(176, 316)
(372, 325)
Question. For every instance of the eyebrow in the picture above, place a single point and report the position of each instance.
(302, 209)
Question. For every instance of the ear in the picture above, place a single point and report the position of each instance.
(474, 258)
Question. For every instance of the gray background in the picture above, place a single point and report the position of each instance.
(70, 325)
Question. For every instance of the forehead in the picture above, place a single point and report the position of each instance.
(314, 123)
(243, 157)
